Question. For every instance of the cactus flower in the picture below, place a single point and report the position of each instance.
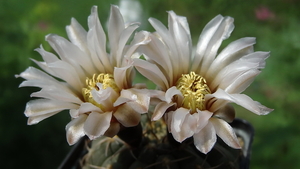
(197, 87)
(93, 84)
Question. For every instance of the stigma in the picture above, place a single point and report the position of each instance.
(193, 88)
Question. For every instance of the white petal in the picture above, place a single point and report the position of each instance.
(47, 56)
(77, 35)
(45, 106)
(152, 72)
(127, 116)
(124, 76)
(141, 38)
(98, 32)
(243, 100)
(182, 39)
(155, 51)
(67, 73)
(138, 98)
(96, 124)
(37, 78)
(160, 110)
(124, 37)
(218, 29)
(232, 52)
(168, 41)
(177, 125)
(57, 94)
(171, 92)
(36, 119)
(227, 75)
(240, 83)
(75, 130)
(88, 107)
(98, 55)
(71, 54)
(225, 132)
(115, 28)
(202, 118)
(205, 139)
(44, 67)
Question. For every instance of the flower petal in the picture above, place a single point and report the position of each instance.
(152, 72)
(178, 128)
(124, 37)
(57, 94)
(232, 52)
(127, 116)
(36, 119)
(206, 138)
(113, 130)
(45, 106)
(115, 27)
(124, 76)
(225, 132)
(218, 29)
(243, 100)
(226, 113)
(96, 124)
(202, 118)
(171, 92)
(77, 35)
(75, 130)
(160, 110)
(139, 99)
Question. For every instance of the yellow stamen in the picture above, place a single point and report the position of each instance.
(193, 88)
(107, 80)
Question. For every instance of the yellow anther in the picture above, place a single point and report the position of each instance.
(193, 88)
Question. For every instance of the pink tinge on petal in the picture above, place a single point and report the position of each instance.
(225, 132)
(96, 124)
(206, 138)
(75, 130)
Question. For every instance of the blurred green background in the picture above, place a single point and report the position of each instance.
(276, 24)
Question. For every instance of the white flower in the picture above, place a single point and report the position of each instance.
(95, 86)
(197, 87)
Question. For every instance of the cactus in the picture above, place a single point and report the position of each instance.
(157, 150)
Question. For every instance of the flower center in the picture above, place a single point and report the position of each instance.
(107, 80)
(193, 88)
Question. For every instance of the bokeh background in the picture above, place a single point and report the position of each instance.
(276, 24)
